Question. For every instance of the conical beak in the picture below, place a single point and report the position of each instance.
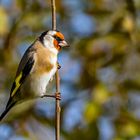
(63, 44)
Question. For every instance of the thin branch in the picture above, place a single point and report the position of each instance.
(57, 110)
(57, 106)
(53, 14)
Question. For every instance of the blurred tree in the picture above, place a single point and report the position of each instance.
(100, 72)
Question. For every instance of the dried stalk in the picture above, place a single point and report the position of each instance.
(57, 108)
(53, 14)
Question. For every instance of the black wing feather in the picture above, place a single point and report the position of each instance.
(13, 100)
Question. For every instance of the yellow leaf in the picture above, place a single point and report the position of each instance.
(128, 24)
(92, 111)
(3, 21)
(101, 94)
(129, 129)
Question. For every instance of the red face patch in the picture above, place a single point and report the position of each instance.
(60, 35)
(56, 45)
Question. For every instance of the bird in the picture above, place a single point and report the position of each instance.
(36, 69)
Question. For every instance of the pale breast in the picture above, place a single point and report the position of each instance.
(38, 86)
(43, 70)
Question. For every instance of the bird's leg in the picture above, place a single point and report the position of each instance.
(56, 96)
(58, 65)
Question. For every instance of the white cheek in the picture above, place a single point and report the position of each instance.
(48, 42)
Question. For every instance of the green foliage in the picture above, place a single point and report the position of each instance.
(107, 82)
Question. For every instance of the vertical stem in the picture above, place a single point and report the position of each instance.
(57, 105)
(53, 14)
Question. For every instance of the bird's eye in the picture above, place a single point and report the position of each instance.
(58, 38)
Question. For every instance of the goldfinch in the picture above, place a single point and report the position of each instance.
(36, 68)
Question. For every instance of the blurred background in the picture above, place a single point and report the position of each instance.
(100, 74)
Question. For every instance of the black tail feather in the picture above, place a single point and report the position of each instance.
(6, 111)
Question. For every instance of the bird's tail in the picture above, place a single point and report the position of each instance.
(6, 110)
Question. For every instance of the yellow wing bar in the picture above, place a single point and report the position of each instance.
(17, 84)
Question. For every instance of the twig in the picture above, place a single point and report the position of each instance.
(57, 106)
(57, 109)
(53, 14)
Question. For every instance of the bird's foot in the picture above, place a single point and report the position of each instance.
(58, 65)
(57, 96)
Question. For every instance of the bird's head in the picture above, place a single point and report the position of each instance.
(53, 40)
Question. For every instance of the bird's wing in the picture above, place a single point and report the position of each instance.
(24, 69)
